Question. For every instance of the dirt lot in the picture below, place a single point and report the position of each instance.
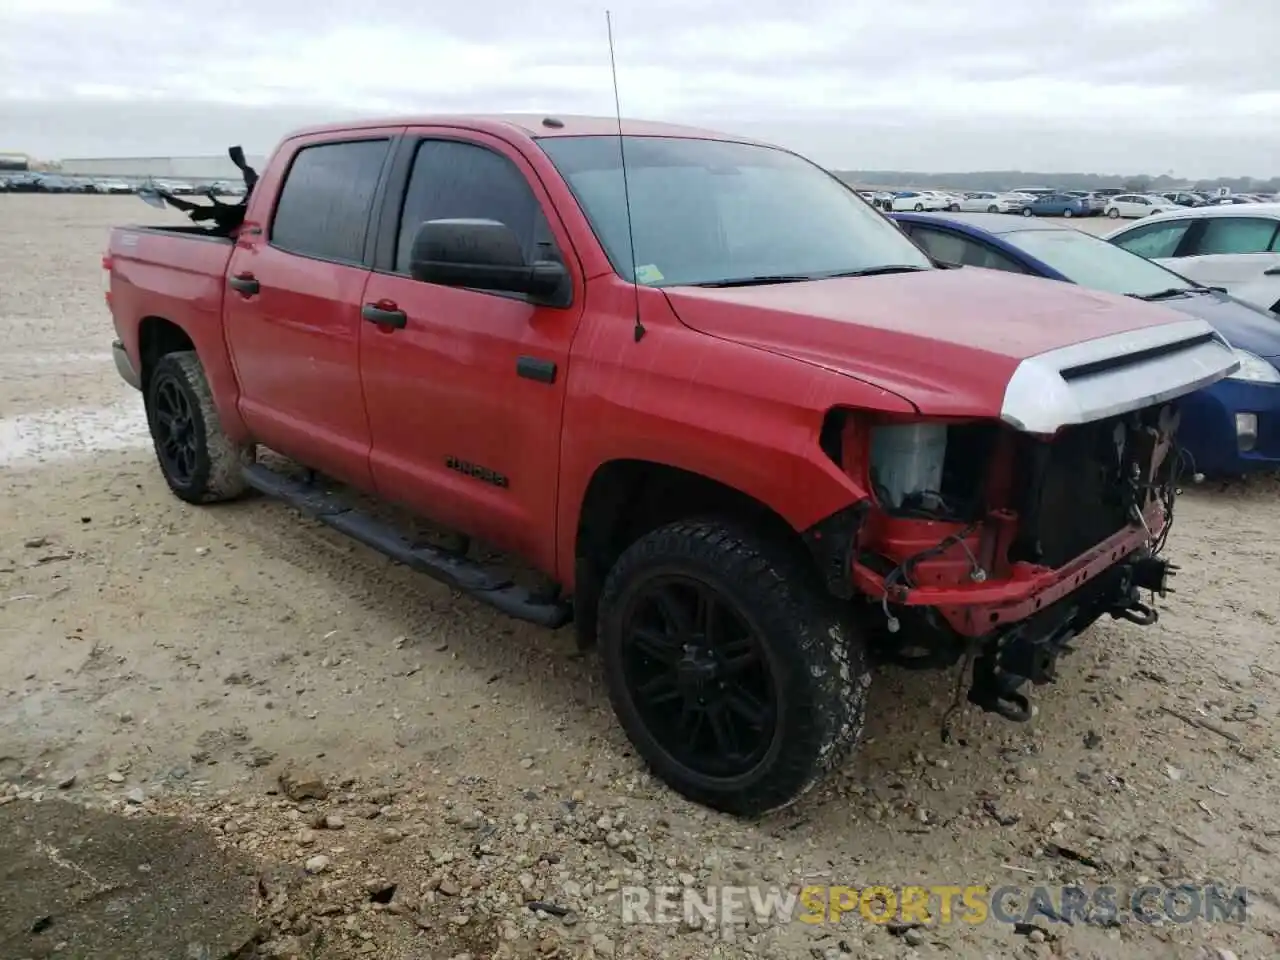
(165, 660)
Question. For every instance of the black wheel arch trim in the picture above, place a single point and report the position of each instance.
(833, 542)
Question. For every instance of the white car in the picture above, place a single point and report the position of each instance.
(952, 200)
(1137, 205)
(1233, 247)
(985, 201)
(919, 200)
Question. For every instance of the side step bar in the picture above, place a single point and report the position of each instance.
(457, 571)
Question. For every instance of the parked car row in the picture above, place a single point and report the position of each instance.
(39, 182)
(1227, 428)
(1049, 202)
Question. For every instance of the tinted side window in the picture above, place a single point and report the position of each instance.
(953, 248)
(453, 180)
(1155, 240)
(1235, 235)
(323, 210)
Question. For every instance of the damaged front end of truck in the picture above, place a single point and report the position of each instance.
(998, 541)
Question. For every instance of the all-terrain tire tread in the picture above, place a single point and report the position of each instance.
(780, 587)
(225, 478)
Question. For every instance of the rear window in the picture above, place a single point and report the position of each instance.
(1235, 235)
(324, 206)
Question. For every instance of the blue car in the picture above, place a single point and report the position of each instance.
(1229, 428)
(1056, 205)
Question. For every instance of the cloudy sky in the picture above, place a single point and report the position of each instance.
(1111, 86)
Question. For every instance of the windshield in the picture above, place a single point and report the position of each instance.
(1095, 263)
(710, 211)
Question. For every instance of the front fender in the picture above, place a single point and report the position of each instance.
(744, 417)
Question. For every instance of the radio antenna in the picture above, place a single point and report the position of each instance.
(626, 187)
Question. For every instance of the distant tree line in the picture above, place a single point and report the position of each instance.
(1006, 179)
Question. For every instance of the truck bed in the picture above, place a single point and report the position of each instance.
(174, 272)
(192, 230)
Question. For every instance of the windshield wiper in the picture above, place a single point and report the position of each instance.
(799, 278)
(877, 271)
(1163, 294)
(760, 280)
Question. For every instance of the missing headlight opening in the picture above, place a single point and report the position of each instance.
(932, 470)
(962, 512)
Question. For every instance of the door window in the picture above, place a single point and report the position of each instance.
(324, 206)
(455, 180)
(1235, 235)
(952, 248)
(1155, 240)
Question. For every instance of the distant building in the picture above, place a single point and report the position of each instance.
(14, 161)
(176, 168)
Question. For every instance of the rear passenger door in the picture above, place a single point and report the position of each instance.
(292, 307)
(1228, 251)
(466, 397)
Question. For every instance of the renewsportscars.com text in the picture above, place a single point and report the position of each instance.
(973, 904)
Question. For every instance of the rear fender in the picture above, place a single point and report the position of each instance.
(163, 279)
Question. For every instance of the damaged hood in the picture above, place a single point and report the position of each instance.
(948, 341)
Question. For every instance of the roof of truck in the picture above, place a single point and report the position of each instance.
(533, 125)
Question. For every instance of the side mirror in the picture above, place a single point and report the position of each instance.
(483, 255)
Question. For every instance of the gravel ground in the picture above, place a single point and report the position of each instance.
(413, 776)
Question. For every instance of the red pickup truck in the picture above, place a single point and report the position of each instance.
(747, 431)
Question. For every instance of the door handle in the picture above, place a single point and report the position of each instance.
(245, 283)
(1272, 271)
(535, 368)
(384, 316)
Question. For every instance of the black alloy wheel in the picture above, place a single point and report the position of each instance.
(199, 462)
(737, 678)
(698, 676)
(174, 429)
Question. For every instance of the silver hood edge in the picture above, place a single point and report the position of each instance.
(1058, 389)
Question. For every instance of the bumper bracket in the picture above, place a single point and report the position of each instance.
(125, 366)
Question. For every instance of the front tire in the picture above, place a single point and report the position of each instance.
(733, 673)
(1027, 212)
(198, 462)
(1113, 214)
(993, 209)
(919, 208)
(1067, 214)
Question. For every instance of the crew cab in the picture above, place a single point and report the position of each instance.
(746, 432)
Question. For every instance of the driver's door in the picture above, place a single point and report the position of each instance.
(465, 393)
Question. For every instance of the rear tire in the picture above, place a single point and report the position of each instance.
(1113, 213)
(993, 209)
(198, 462)
(1067, 214)
(708, 631)
(919, 208)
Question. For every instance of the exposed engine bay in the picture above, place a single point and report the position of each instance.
(998, 547)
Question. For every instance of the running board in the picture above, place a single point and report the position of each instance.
(457, 571)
